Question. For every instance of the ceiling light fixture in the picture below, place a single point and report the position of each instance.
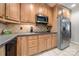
(73, 5)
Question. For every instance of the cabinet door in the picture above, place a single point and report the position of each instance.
(13, 11)
(22, 46)
(32, 41)
(42, 43)
(32, 50)
(2, 10)
(45, 9)
(39, 9)
(54, 18)
(27, 13)
(66, 12)
(50, 16)
(49, 42)
(2, 51)
(18, 46)
(32, 45)
(54, 40)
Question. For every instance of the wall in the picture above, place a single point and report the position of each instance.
(2, 26)
(15, 28)
(75, 25)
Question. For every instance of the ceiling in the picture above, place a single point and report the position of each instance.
(74, 9)
(68, 5)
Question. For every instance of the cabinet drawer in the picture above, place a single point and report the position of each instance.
(32, 40)
(32, 50)
(43, 36)
(54, 43)
(32, 37)
(54, 35)
(32, 43)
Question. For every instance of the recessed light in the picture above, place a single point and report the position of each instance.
(73, 5)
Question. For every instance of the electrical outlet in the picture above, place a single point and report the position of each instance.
(21, 28)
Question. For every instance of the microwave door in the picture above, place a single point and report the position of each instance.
(42, 19)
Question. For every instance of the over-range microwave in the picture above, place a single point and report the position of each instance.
(42, 19)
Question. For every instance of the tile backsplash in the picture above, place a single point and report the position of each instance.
(2, 26)
(17, 28)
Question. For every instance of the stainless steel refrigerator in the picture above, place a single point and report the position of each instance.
(63, 32)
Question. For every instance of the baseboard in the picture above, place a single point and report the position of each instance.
(75, 42)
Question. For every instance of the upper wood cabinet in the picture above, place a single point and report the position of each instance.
(63, 11)
(54, 19)
(2, 10)
(50, 16)
(58, 10)
(39, 9)
(27, 13)
(13, 11)
(66, 12)
(44, 9)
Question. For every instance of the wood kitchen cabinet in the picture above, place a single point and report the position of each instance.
(30, 45)
(54, 18)
(27, 13)
(22, 46)
(42, 43)
(57, 11)
(2, 50)
(39, 9)
(66, 13)
(2, 10)
(63, 11)
(48, 41)
(13, 11)
(54, 40)
(45, 9)
(27, 45)
(50, 16)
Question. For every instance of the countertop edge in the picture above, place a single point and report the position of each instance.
(25, 34)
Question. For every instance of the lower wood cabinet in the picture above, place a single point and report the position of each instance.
(30, 45)
(2, 50)
(49, 42)
(26, 45)
(42, 43)
(54, 40)
(21, 46)
(32, 50)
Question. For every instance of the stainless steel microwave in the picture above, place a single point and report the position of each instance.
(42, 19)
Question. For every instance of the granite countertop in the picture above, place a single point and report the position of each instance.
(6, 38)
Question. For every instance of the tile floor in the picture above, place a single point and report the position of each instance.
(72, 50)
